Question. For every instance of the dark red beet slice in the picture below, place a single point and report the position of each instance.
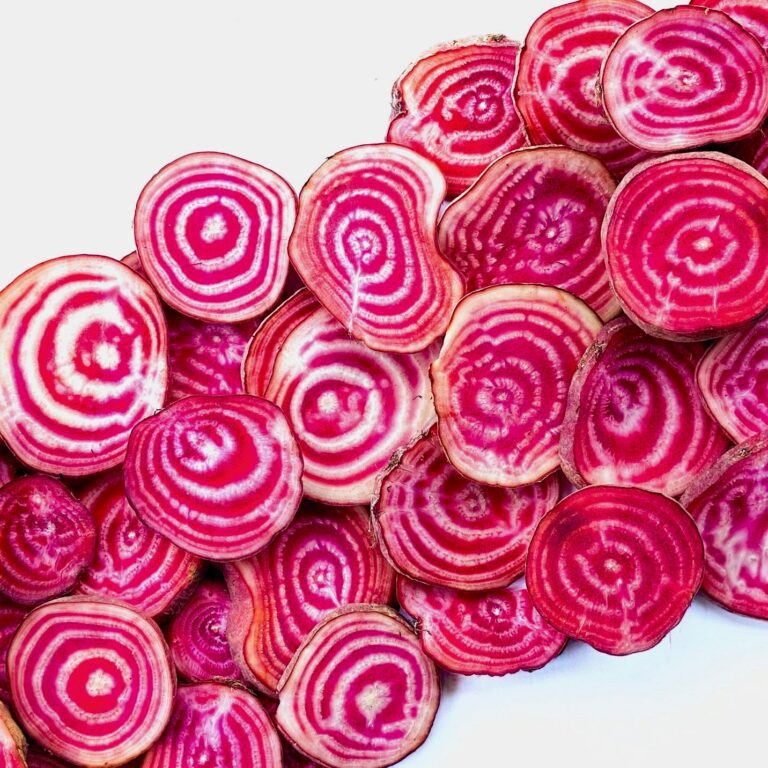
(616, 567)
(218, 476)
(13, 745)
(437, 526)
(685, 77)
(455, 106)
(687, 247)
(11, 616)
(9, 467)
(359, 691)
(534, 216)
(501, 380)
(751, 14)
(365, 245)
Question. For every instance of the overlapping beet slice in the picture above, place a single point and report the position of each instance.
(11, 616)
(751, 14)
(13, 745)
(9, 467)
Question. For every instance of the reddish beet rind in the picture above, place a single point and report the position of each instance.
(9, 467)
(13, 745)
(751, 14)
(11, 616)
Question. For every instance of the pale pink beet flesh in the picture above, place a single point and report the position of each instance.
(751, 14)
(13, 745)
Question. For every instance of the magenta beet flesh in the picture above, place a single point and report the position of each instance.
(11, 616)
(751, 14)
(9, 467)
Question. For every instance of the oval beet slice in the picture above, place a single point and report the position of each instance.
(501, 380)
(9, 467)
(751, 14)
(365, 245)
(11, 616)
(359, 691)
(13, 745)
(218, 476)
(616, 567)
(455, 106)
(686, 245)
(534, 216)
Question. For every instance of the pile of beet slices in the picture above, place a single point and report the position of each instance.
(269, 474)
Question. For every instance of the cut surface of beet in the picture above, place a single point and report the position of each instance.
(9, 467)
(751, 14)
(13, 745)
(11, 616)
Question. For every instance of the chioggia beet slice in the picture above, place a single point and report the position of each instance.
(365, 245)
(359, 691)
(687, 247)
(685, 77)
(501, 381)
(13, 745)
(9, 467)
(436, 526)
(91, 680)
(212, 232)
(83, 347)
(534, 216)
(455, 106)
(634, 417)
(11, 616)
(751, 14)
(616, 567)
(327, 558)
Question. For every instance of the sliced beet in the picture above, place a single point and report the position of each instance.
(9, 467)
(218, 476)
(751, 14)
(11, 616)
(365, 245)
(686, 245)
(534, 216)
(616, 567)
(13, 745)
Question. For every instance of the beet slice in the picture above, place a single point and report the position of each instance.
(326, 559)
(534, 216)
(557, 82)
(11, 616)
(13, 745)
(365, 245)
(435, 525)
(133, 563)
(455, 106)
(686, 245)
(685, 77)
(9, 467)
(359, 691)
(91, 680)
(633, 414)
(751, 14)
(501, 380)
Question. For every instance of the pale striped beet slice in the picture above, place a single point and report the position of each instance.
(359, 691)
(327, 558)
(751, 14)
(13, 745)
(436, 526)
(91, 680)
(9, 467)
(218, 476)
(501, 381)
(211, 234)
(455, 106)
(616, 567)
(534, 216)
(365, 245)
(83, 347)
(11, 616)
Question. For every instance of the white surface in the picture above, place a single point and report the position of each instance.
(96, 96)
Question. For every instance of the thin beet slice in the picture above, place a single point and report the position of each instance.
(11, 616)
(634, 417)
(534, 216)
(212, 232)
(9, 467)
(365, 245)
(616, 567)
(685, 77)
(751, 14)
(501, 380)
(83, 347)
(359, 691)
(13, 745)
(218, 476)
(326, 559)
(435, 525)
(91, 680)
(455, 106)
(687, 247)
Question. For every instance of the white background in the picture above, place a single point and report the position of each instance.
(96, 96)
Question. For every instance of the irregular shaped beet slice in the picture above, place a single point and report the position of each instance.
(13, 745)
(534, 216)
(685, 77)
(83, 347)
(616, 567)
(435, 525)
(359, 691)
(455, 106)
(103, 665)
(751, 14)
(686, 245)
(9, 467)
(11, 616)
(365, 245)
(501, 381)
(218, 476)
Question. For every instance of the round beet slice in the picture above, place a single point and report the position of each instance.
(13, 745)
(501, 381)
(616, 567)
(218, 476)
(534, 216)
(359, 691)
(687, 247)
(11, 616)
(365, 245)
(455, 106)
(9, 467)
(751, 14)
